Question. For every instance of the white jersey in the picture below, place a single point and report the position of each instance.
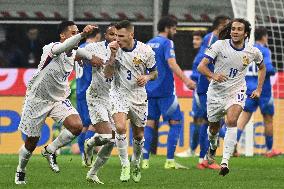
(50, 81)
(100, 85)
(232, 63)
(131, 64)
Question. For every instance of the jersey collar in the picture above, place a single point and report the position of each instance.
(235, 47)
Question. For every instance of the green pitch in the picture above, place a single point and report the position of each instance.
(256, 172)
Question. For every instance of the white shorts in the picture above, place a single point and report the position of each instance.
(217, 105)
(99, 109)
(36, 110)
(136, 112)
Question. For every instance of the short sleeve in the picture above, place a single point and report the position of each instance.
(151, 62)
(212, 52)
(258, 58)
(169, 50)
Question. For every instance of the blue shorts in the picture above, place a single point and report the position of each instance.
(266, 105)
(83, 111)
(199, 107)
(167, 106)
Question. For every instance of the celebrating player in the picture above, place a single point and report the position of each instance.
(226, 92)
(161, 95)
(265, 102)
(46, 96)
(128, 95)
(83, 80)
(99, 104)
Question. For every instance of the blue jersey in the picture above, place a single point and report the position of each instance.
(195, 74)
(208, 40)
(252, 73)
(163, 86)
(83, 79)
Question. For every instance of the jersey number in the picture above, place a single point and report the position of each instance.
(108, 80)
(67, 103)
(233, 72)
(65, 76)
(128, 75)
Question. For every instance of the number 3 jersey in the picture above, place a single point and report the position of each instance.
(100, 85)
(130, 65)
(50, 81)
(231, 62)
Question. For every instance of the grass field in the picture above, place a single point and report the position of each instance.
(256, 172)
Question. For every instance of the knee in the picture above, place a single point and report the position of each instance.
(120, 128)
(232, 122)
(76, 128)
(31, 143)
(139, 136)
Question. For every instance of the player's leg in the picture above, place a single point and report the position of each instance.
(33, 117)
(230, 139)
(104, 138)
(122, 144)
(267, 110)
(138, 143)
(171, 112)
(73, 126)
(152, 121)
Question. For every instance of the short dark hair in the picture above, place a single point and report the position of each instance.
(124, 24)
(218, 20)
(226, 32)
(64, 25)
(198, 33)
(94, 33)
(166, 22)
(259, 33)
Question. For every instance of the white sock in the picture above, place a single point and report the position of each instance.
(121, 143)
(99, 139)
(63, 138)
(137, 151)
(102, 158)
(213, 139)
(230, 141)
(24, 156)
(200, 160)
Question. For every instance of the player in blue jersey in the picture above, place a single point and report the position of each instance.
(265, 102)
(83, 80)
(195, 125)
(200, 108)
(161, 92)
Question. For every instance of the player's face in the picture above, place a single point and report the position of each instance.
(238, 32)
(171, 31)
(69, 32)
(124, 37)
(223, 24)
(197, 40)
(111, 34)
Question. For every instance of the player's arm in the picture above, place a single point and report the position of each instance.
(71, 42)
(270, 70)
(261, 75)
(85, 54)
(110, 64)
(176, 69)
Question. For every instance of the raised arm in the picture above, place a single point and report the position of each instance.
(110, 64)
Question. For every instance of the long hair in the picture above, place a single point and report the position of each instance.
(226, 32)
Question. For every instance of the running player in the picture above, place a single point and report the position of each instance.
(46, 96)
(226, 92)
(83, 80)
(161, 92)
(99, 105)
(135, 66)
(265, 102)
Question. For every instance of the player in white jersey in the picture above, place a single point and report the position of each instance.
(226, 92)
(134, 67)
(46, 96)
(99, 106)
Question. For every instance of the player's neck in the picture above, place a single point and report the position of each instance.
(238, 44)
(130, 45)
(260, 43)
(163, 34)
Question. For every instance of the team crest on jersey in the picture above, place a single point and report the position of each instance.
(137, 61)
(245, 60)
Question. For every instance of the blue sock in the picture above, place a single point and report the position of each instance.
(239, 134)
(269, 142)
(222, 131)
(194, 136)
(148, 135)
(89, 134)
(81, 140)
(173, 137)
(203, 140)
